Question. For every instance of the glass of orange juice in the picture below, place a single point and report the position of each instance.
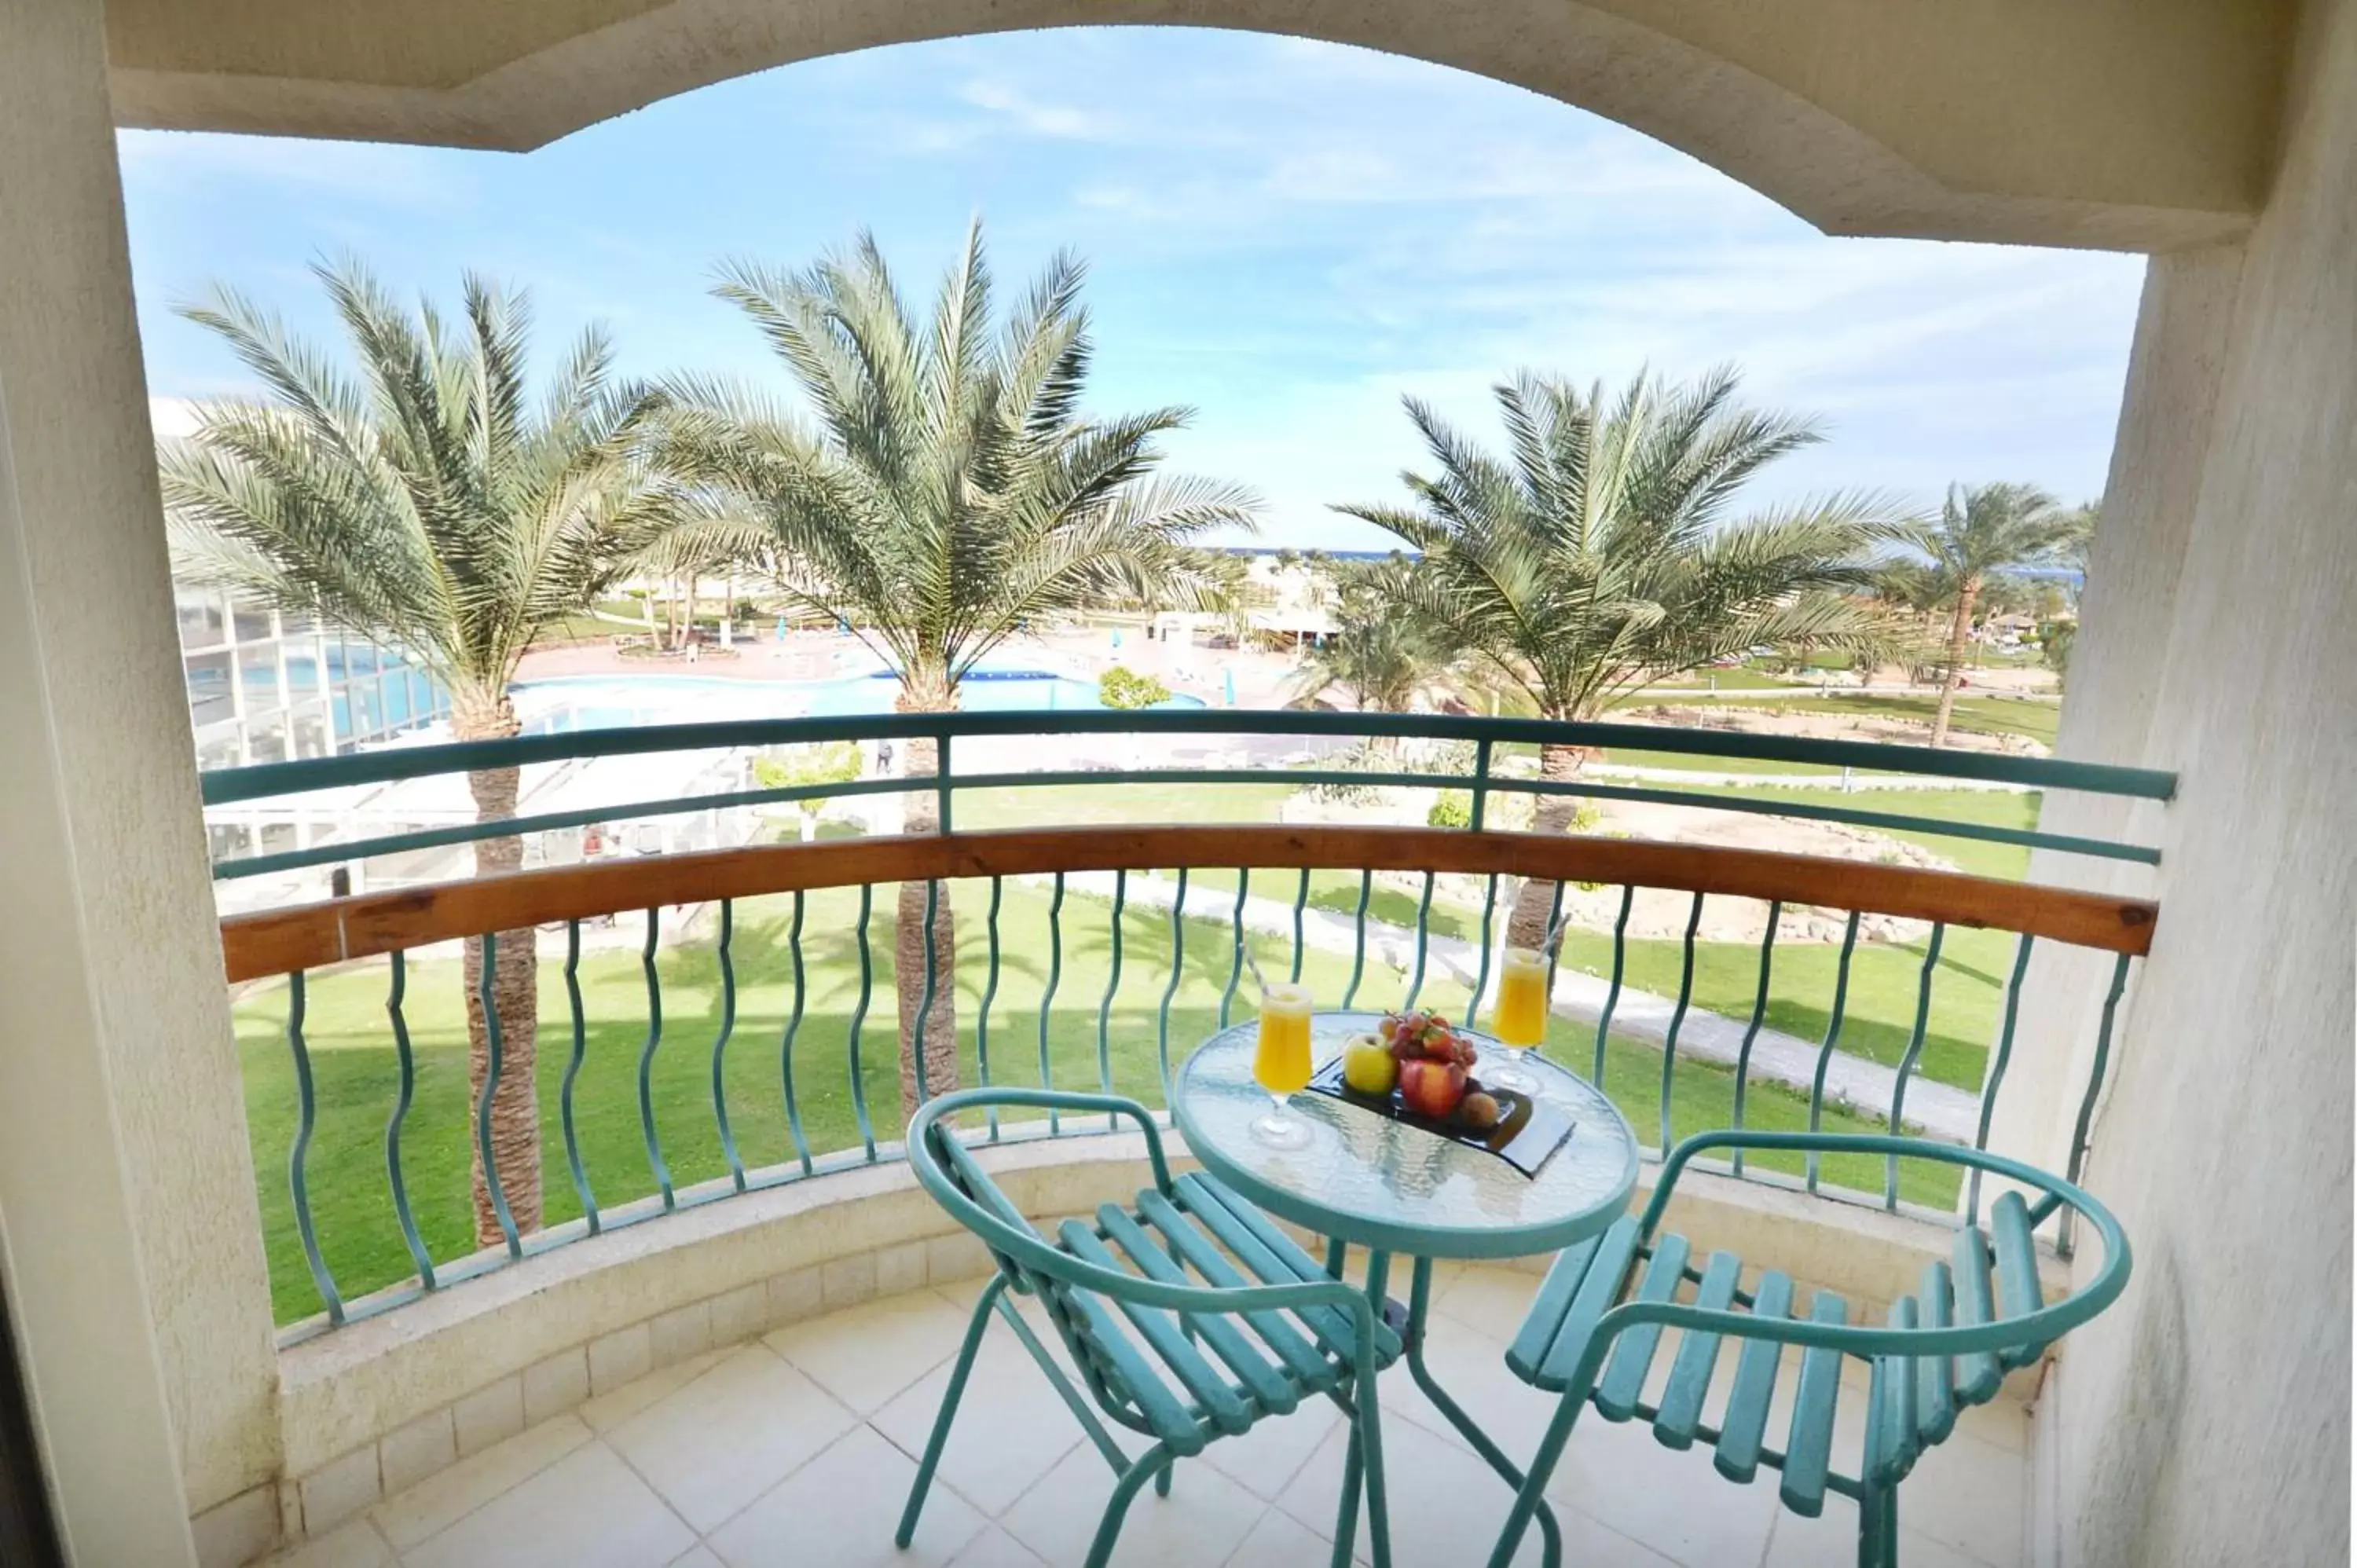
(1281, 1062)
(1520, 1019)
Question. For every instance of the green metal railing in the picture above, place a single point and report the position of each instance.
(268, 781)
(1218, 973)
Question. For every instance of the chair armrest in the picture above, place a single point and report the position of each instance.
(1035, 1252)
(2047, 1323)
(1052, 1100)
(2056, 1190)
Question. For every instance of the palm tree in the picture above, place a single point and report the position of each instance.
(1380, 659)
(428, 502)
(1600, 555)
(949, 493)
(1983, 532)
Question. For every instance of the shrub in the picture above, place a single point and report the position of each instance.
(805, 767)
(1120, 687)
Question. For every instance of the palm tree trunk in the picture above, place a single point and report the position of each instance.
(920, 758)
(1526, 927)
(515, 995)
(1958, 629)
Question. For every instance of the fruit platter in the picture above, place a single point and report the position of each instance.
(1417, 1069)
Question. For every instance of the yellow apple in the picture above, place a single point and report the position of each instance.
(1368, 1067)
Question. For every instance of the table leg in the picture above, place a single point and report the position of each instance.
(1419, 1305)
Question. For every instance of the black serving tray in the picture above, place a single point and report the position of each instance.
(1526, 1135)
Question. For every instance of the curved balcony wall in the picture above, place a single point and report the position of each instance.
(385, 1378)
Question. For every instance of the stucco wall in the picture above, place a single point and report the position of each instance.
(2129, 123)
(2205, 1420)
(119, 1090)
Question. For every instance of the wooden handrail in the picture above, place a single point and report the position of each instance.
(310, 935)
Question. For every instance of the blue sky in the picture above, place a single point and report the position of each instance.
(1285, 235)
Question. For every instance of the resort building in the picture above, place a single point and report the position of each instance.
(269, 687)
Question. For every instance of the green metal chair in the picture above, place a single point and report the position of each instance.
(1123, 1295)
(1947, 1347)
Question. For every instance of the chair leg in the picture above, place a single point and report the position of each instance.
(950, 1396)
(1543, 1464)
(1346, 1516)
(1155, 1463)
(1878, 1528)
(1162, 1480)
(1379, 1523)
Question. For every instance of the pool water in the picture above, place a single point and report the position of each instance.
(622, 702)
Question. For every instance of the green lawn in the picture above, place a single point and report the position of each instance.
(1694, 763)
(355, 1071)
(1741, 678)
(2037, 720)
(1885, 980)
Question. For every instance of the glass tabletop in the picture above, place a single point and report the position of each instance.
(1379, 1183)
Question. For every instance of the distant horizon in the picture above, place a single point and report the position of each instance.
(1286, 236)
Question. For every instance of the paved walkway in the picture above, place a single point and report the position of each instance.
(1933, 1110)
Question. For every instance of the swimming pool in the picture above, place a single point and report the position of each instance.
(567, 702)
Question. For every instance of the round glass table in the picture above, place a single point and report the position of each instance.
(1377, 1183)
(1366, 1180)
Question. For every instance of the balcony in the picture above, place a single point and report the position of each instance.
(729, 1309)
(796, 1446)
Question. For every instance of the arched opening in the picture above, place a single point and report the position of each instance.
(2019, 123)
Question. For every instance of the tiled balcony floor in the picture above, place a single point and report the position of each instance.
(797, 1450)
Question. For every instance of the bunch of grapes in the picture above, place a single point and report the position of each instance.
(1425, 1036)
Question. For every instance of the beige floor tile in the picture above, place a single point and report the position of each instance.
(609, 1410)
(1592, 1543)
(714, 1445)
(840, 1509)
(962, 1294)
(587, 1510)
(994, 1548)
(1471, 1367)
(1446, 1505)
(442, 1500)
(1265, 1459)
(1828, 1541)
(1493, 1299)
(1205, 1517)
(1280, 1540)
(1673, 1502)
(353, 1545)
(865, 1355)
(1970, 1496)
(1920, 1551)
(1011, 1427)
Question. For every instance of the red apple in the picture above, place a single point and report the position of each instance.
(1430, 1087)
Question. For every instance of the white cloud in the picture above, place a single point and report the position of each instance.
(1033, 116)
(172, 416)
(402, 177)
(1284, 233)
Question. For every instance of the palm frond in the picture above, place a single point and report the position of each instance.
(949, 492)
(423, 496)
